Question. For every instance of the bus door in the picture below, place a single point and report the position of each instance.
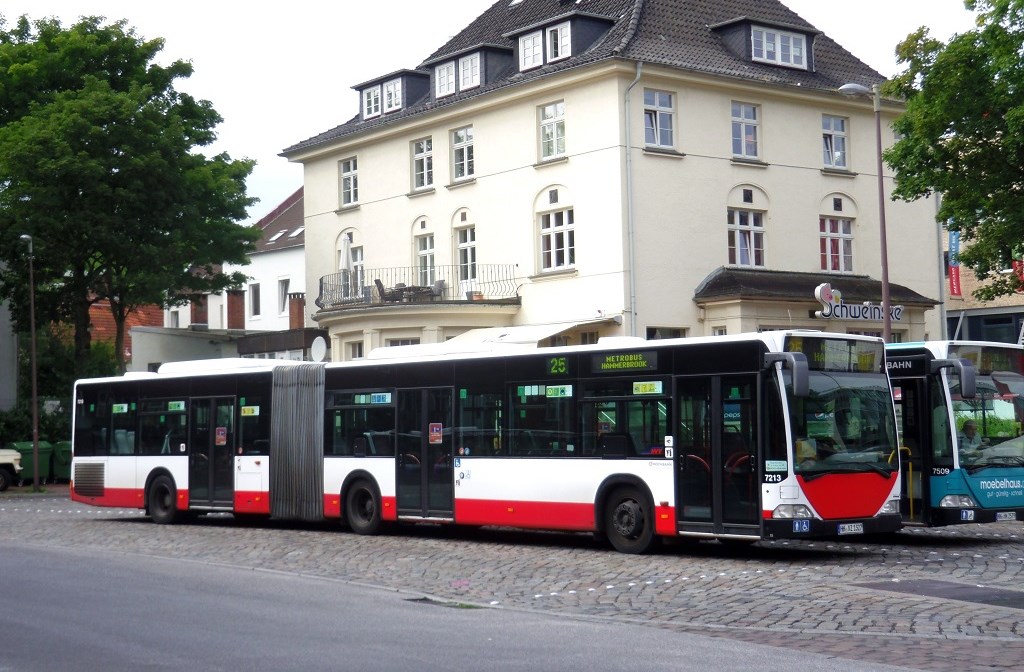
(424, 454)
(717, 488)
(919, 427)
(211, 456)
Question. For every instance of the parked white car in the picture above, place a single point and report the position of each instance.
(10, 466)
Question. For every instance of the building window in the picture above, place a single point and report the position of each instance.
(531, 51)
(552, 130)
(467, 253)
(658, 112)
(719, 331)
(778, 47)
(173, 320)
(469, 71)
(393, 95)
(462, 153)
(425, 259)
(658, 333)
(559, 42)
(254, 300)
(282, 295)
(355, 350)
(371, 102)
(746, 238)
(349, 177)
(444, 79)
(557, 240)
(836, 244)
(402, 341)
(833, 141)
(358, 268)
(589, 337)
(745, 130)
(423, 163)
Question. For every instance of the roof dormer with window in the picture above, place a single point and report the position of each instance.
(468, 70)
(769, 43)
(392, 93)
(557, 39)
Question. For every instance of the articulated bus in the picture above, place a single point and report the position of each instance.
(960, 406)
(782, 434)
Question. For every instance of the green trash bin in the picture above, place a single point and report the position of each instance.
(61, 470)
(27, 474)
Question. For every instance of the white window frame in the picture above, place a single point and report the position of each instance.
(371, 102)
(558, 42)
(444, 79)
(557, 232)
(254, 300)
(392, 95)
(422, 164)
(466, 238)
(469, 71)
(283, 285)
(348, 178)
(778, 47)
(834, 141)
(531, 51)
(746, 237)
(746, 130)
(462, 154)
(659, 116)
(835, 244)
(552, 130)
(425, 267)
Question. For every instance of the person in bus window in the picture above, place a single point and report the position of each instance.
(970, 440)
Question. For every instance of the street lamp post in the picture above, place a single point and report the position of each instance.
(32, 350)
(876, 96)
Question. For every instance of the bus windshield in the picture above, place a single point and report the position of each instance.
(845, 424)
(989, 425)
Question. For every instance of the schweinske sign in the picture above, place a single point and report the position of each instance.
(834, 308)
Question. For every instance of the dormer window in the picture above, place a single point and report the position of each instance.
(444, 79)
(469, 71)
(393, 95)
(371, 102)
(780, 47)
(558, 43)
(531, 51)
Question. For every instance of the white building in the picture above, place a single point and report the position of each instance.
(611, 167)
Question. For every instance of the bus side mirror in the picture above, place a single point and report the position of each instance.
(964, 371)
(796, 362)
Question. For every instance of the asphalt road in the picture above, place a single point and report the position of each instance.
(941, 599)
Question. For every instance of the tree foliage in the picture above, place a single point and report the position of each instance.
(99, 163)
(962, 135)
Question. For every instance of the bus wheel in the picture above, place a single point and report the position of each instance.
(161, 500)
(628, 523)
(362, 508)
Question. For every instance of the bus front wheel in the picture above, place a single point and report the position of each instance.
(362, 508)
(628, 521)
(162, 499)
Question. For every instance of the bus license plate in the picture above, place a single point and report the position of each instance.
(851, 528)
(1006, 515)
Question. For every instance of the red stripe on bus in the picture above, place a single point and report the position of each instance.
(252, 502)
(535, 515)
(128, 498)
(665, 521)
(836, 496)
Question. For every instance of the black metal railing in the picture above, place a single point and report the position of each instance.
(411, 284)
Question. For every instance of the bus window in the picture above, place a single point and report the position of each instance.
(541, 421)
(478, 423)
(359, 423)
(254, 425)
(163, 424)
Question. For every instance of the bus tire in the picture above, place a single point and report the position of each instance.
(362, 508)
(628, 521)
(161, 500)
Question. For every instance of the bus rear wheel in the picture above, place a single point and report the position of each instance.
(161, 500)
(362, 508)
(628, 521)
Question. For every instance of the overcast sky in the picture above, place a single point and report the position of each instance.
(280, 73)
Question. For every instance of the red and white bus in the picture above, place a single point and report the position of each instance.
(784, 434)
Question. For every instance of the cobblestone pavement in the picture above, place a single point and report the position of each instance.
(929, 599)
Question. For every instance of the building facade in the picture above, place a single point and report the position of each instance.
(649, 168)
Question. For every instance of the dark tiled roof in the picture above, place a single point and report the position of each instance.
(742, 283)
(285, 219)
(673, 33)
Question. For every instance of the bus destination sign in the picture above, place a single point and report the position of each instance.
(836, 354)
(645, 360)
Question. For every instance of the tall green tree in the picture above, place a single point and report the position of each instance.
(962, 135)
(100, 162)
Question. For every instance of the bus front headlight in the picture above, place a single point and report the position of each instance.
(791, 511)
(892, 506)
(957, 502)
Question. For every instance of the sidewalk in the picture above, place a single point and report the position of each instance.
(48, 490)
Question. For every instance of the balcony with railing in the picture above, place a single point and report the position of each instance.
(396, 286)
